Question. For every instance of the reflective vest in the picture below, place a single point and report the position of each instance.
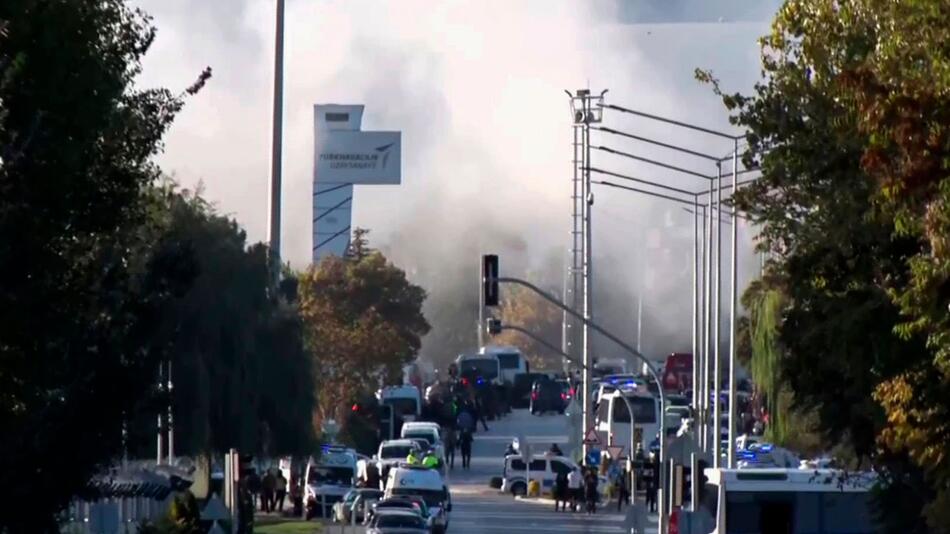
(430, 461)
(412, 459)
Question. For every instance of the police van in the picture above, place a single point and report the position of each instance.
(543, 468)
(328, 479)
(427, 484)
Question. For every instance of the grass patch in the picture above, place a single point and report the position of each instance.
(292, 526)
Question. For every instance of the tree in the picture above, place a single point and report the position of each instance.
(82, 289)
(362, 322)
(849, 129)
(524, 308)
(242, 376)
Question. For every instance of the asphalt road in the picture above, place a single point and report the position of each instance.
(477, 508)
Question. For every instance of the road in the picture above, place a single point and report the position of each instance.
(477, 508)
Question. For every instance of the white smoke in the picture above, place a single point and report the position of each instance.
(477, 87)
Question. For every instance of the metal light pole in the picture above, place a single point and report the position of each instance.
(707, 308)
(717, 371)
(732, 313)
(273, 229)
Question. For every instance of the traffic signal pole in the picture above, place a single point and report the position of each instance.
(490, 283)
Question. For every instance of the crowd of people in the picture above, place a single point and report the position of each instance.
(268, 491)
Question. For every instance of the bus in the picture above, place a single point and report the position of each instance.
(796, 501)
(479, 369)
(678, 372)
(510, 361)
(613, 417)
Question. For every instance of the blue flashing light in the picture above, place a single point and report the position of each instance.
(480, 381)
(765, 447)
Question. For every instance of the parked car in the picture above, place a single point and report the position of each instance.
(358, 501)
(544, 468)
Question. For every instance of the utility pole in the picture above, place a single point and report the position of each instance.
(587, 110)
(273, 229)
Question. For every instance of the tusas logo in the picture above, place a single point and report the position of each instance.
(377, 159)
(384, 151)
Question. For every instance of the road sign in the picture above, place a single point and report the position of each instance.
(590, 438)
(614, 451)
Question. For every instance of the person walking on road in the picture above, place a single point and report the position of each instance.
(254, 487)
(267, 491)
(653, 483)
(560, 492)
(574, 480)
(590, 491)
(280, 491)
(451, 441)
(623, 489)
(465, 443)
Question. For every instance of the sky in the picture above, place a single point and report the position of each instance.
(477, 88)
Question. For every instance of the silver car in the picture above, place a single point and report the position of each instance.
(394, 521)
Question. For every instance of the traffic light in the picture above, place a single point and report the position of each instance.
(490, 279)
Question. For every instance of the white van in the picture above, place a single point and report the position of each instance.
(543, 468)
(406, 400)
(822, 501)
(328, 479)
(426, 483)
(613, 418)
(510, 361)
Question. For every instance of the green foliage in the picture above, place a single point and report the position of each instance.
(242, 376)
(849, 127)
(82, 288)
(524, 308)
(362, 321)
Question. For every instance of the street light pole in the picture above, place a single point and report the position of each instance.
(732, 313)
(717, 371)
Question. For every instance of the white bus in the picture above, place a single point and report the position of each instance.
(510, 361)
(613, 418)
(796, 501)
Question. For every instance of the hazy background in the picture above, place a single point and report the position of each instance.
(477, 87)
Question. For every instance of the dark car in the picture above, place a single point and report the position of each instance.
(547, 396)
(520, 392)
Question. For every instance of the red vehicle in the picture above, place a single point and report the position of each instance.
(678, 373)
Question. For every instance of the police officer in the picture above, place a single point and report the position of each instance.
(414, 457)
(430, 460)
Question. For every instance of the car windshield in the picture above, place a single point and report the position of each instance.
(508, 360)
(486, 368)
(396, 504)
(320, 474)
(399, 521)
(395, 451)
(644, 410)
(402, 406)
(420, 434)
(431, 497)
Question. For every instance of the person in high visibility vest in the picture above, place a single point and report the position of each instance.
(413, 458)
(430, 460)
